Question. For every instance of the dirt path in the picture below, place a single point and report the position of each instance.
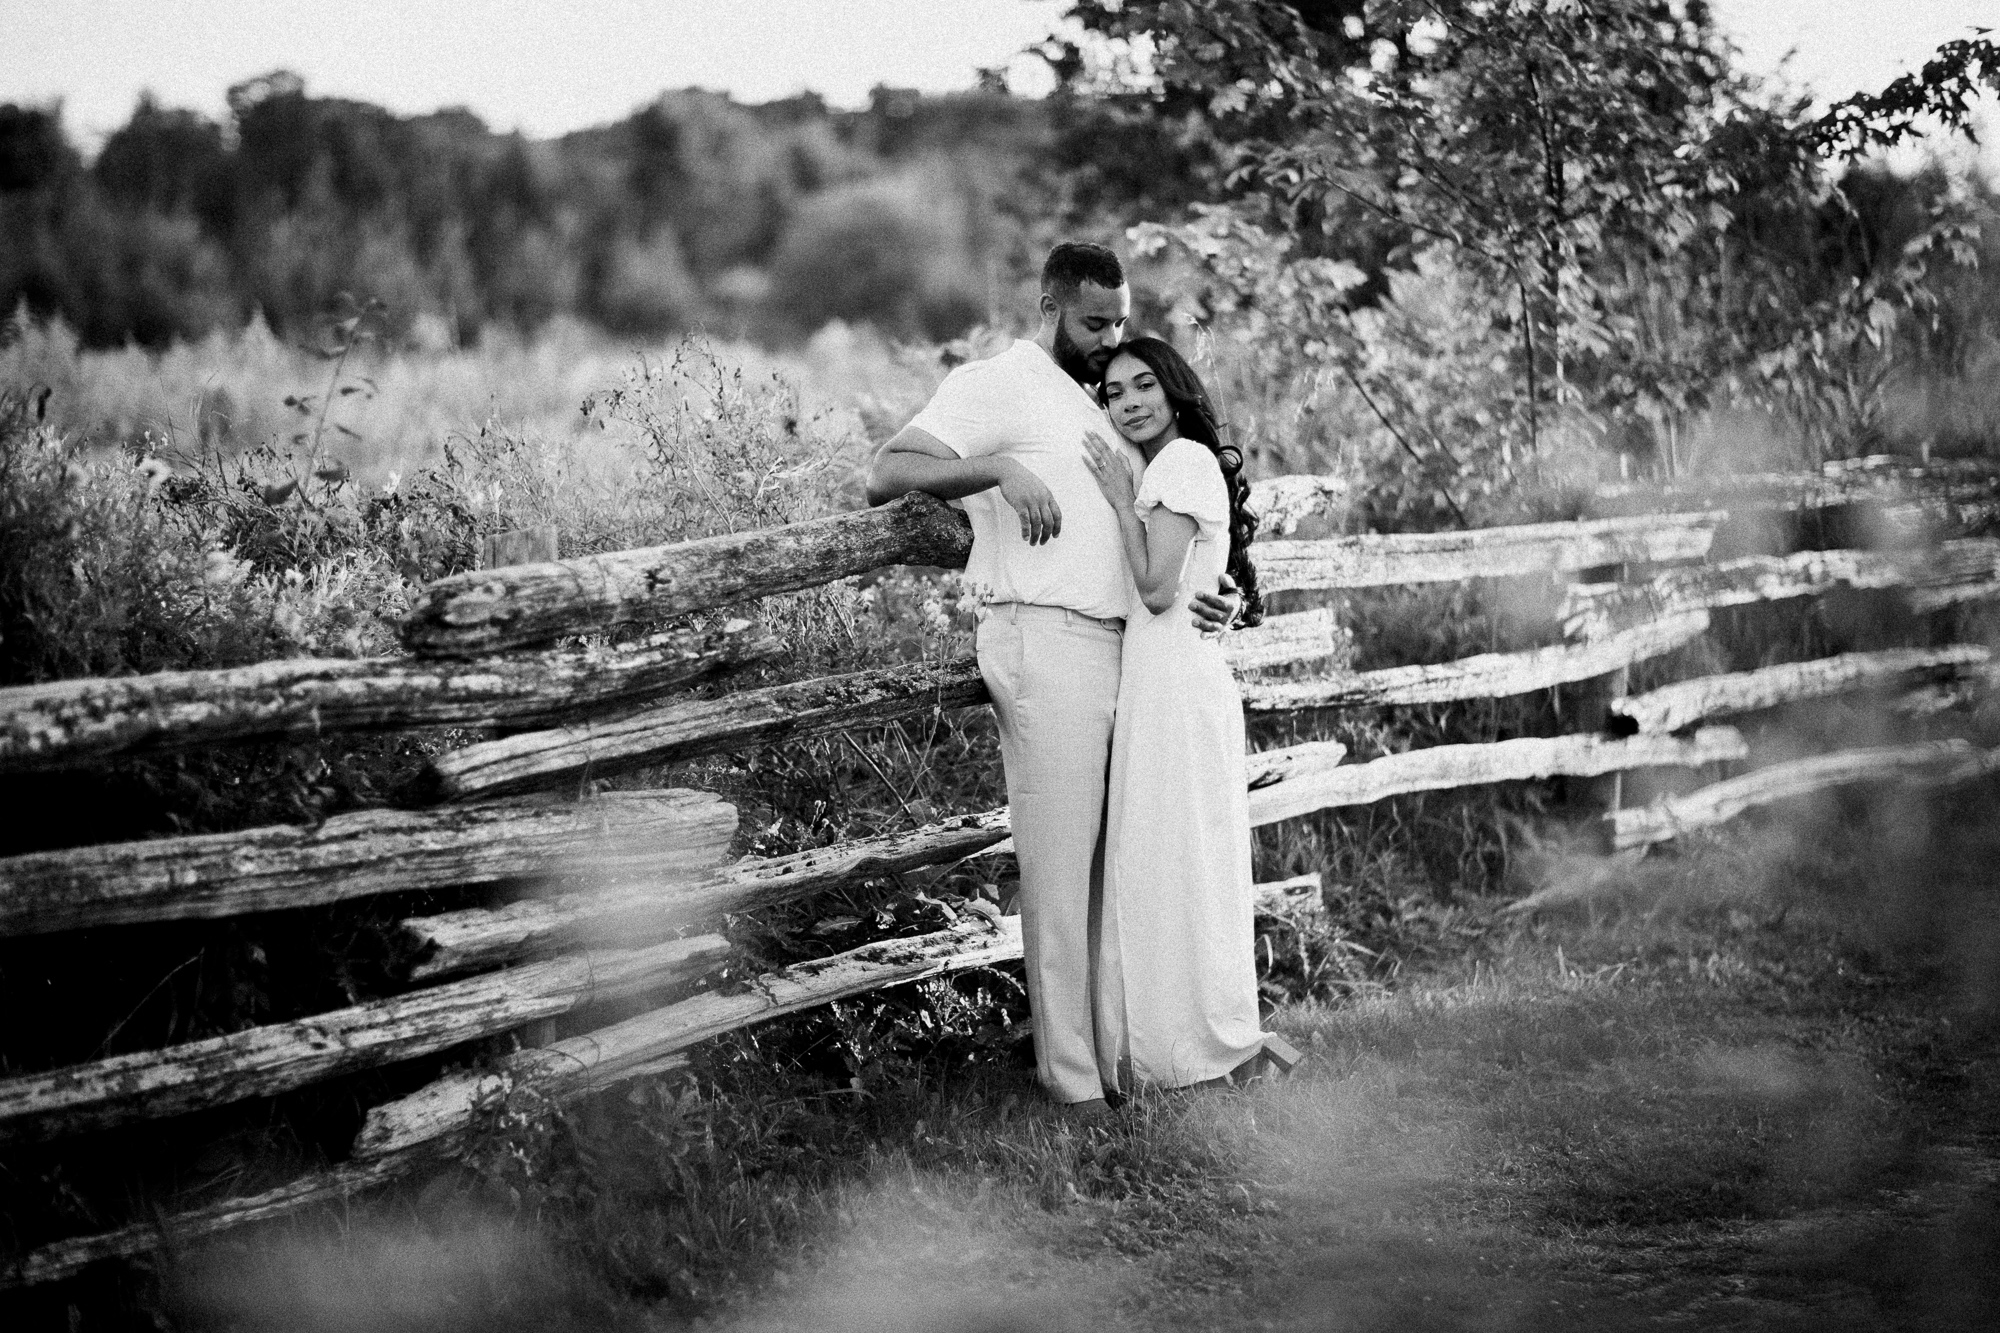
(1716, 1124)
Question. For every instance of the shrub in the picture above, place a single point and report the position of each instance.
(646, 287)
(885, 252)
(99, 576)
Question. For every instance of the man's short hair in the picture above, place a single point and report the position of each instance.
(1074, 263)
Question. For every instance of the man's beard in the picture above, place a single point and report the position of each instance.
(1078, 364)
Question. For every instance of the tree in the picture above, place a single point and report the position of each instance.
(166, 161)
(1627, 204)
(34, 156)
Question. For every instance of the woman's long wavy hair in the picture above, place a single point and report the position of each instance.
(1194, 414)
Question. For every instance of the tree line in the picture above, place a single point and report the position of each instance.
(915, 213)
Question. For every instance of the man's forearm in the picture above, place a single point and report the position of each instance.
(895, 473)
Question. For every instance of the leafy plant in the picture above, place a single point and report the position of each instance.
(1583, 166)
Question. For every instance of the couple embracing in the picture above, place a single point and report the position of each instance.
(1110, 532)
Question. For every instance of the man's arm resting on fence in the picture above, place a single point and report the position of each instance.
(914, 460)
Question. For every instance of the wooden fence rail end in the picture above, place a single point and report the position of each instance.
(1288, 895)
(261, 1061)
(1684, 703)
(67, 1258)
(1940, 761)
(1267, 768)
(66, 723)
(668, 835)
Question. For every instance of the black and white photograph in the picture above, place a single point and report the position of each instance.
(1000, 666)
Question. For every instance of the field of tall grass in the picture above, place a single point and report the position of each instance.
(394, 407)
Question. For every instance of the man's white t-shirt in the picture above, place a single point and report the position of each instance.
(1022, 405)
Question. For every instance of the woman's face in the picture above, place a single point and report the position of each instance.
(1135, 400)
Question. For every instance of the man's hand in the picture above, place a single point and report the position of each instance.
(914, 460)
(1216, 611)
(1032, 501)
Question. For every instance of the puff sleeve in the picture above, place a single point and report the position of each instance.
(1185, 478)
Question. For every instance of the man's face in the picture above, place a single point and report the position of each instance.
(1089, 329)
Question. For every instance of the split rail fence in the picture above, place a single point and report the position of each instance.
(647, 870)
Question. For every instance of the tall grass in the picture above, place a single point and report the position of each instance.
(227, 392)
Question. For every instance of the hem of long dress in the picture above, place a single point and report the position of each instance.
(1159, 1085)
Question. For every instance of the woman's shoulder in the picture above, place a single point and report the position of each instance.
(1183, 463)
(1186, 477)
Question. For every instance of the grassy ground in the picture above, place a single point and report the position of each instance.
(1753, 1086)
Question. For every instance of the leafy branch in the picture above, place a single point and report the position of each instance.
(1943, 89)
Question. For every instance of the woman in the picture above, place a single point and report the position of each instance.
(1177, 978)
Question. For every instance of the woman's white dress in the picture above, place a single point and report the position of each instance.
(1177, 977)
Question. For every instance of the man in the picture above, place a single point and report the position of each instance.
(1005, 437)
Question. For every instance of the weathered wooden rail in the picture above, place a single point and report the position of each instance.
(70, 722)
(1955, 571)
(257, 1062)
(1672, 707)
(1450, 557)
(1487, 676)
(1882, 483)
(1952, 760)
(656, 837)
(609, 888)
(678, 731)
(489, 610)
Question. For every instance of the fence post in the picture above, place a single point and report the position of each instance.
(1592, 704)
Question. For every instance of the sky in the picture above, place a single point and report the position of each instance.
(549, 66)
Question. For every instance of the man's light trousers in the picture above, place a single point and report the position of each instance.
(1053, 675)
